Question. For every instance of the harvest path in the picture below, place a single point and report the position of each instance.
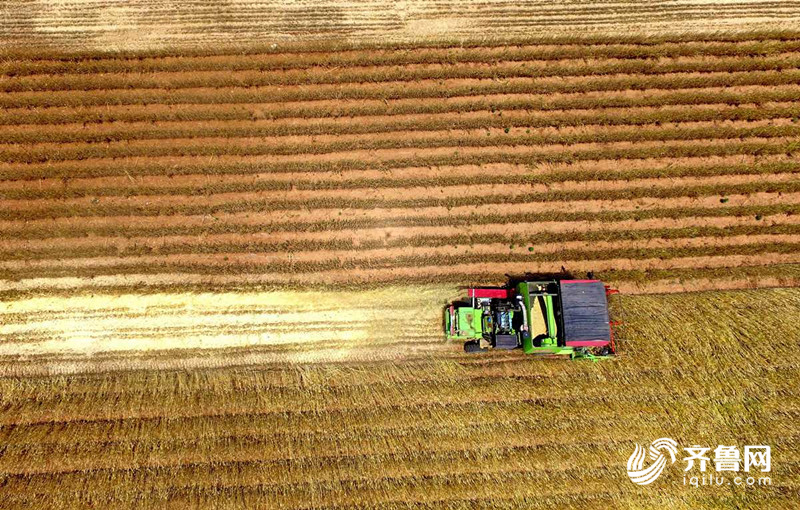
(433, 428)
(660, 163)
(104, 332)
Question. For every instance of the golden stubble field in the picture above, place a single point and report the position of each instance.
(101, 25)
(366, 411)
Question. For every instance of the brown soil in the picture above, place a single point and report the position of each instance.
(379, 234)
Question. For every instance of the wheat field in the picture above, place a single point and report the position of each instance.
(414, 424)
(223, 267)
(651, 161)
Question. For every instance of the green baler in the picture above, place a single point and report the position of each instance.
(554, 318)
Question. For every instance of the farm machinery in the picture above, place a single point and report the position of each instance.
(550, 318)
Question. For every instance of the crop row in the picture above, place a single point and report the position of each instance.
(383, 256)
(517, 236)
(364, 198)
(417, 122)
(518, 241)
(64, 437)
(357, 493)
(210, 418)
(67, 170)
(252, 463)
(254, 146)
(232, 379)
(449, 197)
(487, 55)
(380, 175)
(731, 96)
(233, 263)
(678, 278)
(634, 274)
(441, 88)
(483, 176)
(338, 60)
(293, 402)
(48, 228)
(391, 403)
(495, 70)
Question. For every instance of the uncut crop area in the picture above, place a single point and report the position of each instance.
(223, 267)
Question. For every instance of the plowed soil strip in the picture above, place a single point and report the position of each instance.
(388, 200)
(402, 158)
(402, 177)
(339, 59)
(398, 274)
(330, 145)
(497, 69)
(517, 234)
(435, 88)
(319, 220)
(332, 109)
(643, 116)
(383, 256)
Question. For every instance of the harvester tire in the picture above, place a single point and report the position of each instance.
(473, 346)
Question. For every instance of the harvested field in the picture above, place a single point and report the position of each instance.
(150, 25)
(645, 159)
(369, 412)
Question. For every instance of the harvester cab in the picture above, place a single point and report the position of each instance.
(551, 318)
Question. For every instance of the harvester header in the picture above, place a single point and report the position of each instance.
(552, 318)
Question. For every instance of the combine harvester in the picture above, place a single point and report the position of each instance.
(551, 318)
